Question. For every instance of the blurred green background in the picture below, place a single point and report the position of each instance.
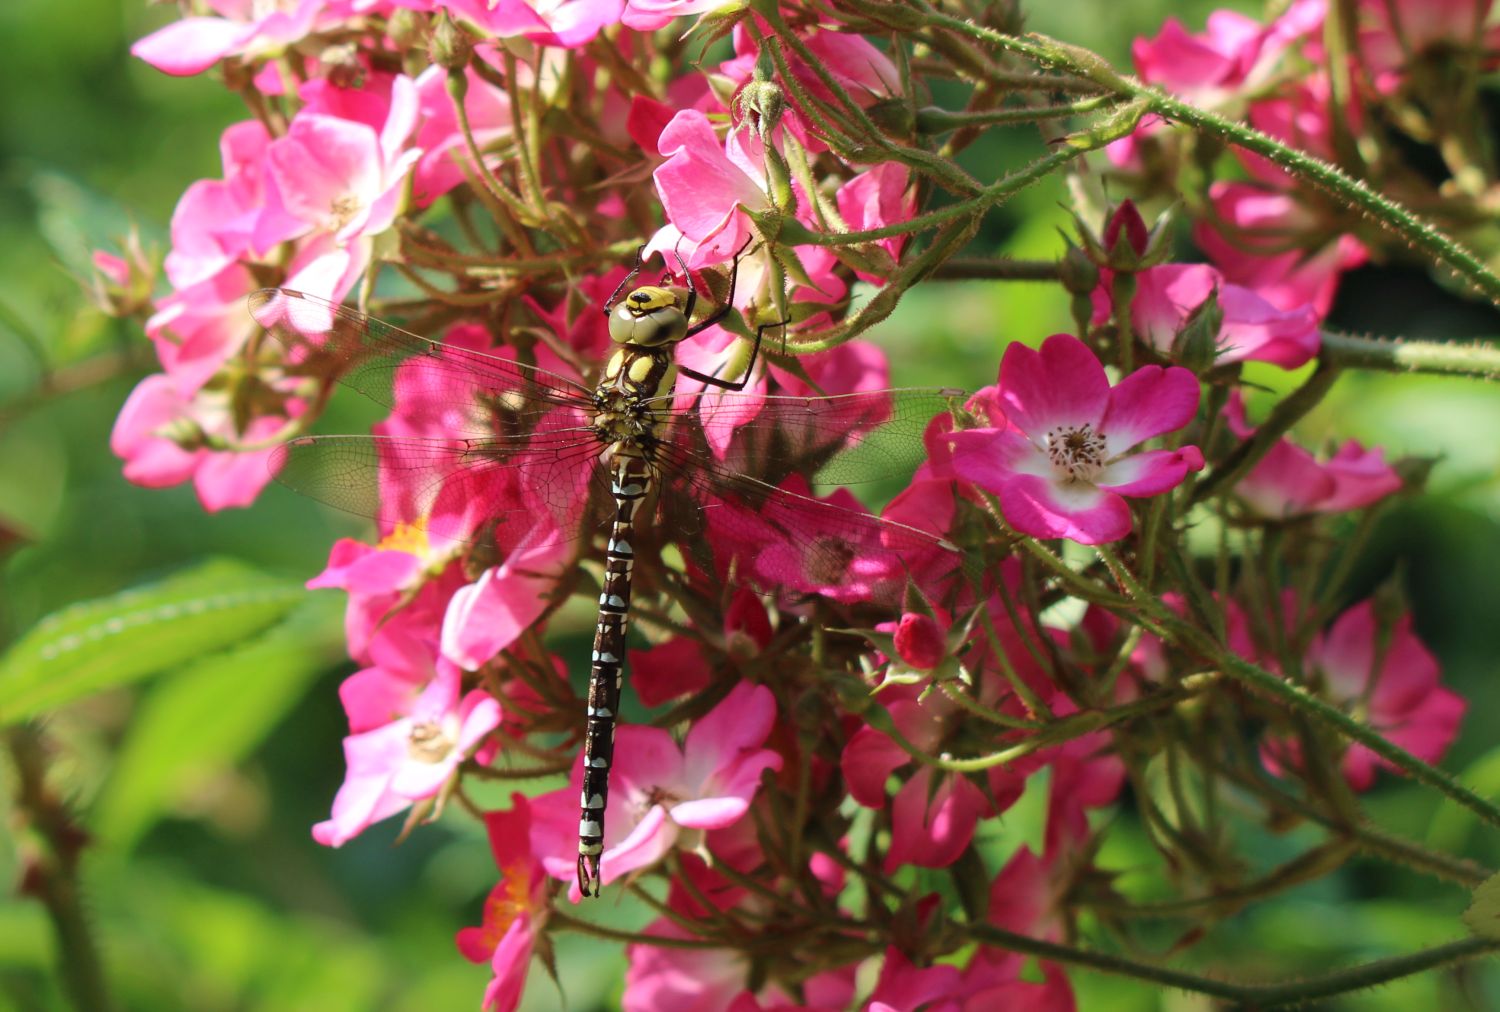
(204, 886)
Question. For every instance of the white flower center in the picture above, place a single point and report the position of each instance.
(1077, 451)
(428, 743)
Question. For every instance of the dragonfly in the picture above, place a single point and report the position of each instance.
(546, 459)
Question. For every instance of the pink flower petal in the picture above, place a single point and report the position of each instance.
(1060, 384)
(1151, 472)
(1149, 402)
(1075, 510)
(192, 45)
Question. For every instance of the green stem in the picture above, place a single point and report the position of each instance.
(1250, 995)
(1479, 359)
(1245, 456)
(1352, 192)
(996, 269)
(932, 120)
(52, 877)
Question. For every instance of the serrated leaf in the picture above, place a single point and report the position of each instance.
(115, 640)
(1483, 915)
(205, 719)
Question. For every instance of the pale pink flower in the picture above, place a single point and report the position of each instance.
(664, 795)
(1253, 330)
(156, 432)
(1218, 69)
(567, 23)
(649, 15)
(490, 614)
(247, 28)
(200, 326)
(1290, 481)
(401, 569)
(1382, 675)
(1063, 461)
(704, 184)
(215, 218)
(1251, 247)
(515, 910)
(402, 664)
(410, 758)
(338, 177)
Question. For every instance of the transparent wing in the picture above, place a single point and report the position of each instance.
(505, 493)
(390, 365)
(782, 538)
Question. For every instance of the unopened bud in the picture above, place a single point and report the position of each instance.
(761, 104)
(450, 45)
(1196, 345)
(1078, 273)
(1127, 244)
(919, 641)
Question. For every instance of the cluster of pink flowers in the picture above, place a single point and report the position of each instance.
(382, 125)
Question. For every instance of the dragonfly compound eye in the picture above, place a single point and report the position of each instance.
(649, 316)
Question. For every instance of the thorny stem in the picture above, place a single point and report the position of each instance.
(1054, 55)
(52, 877)
(1258, 996)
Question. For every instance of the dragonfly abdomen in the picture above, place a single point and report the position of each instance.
(630, 482)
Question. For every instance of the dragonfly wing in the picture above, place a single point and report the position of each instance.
(781, 538)
(473, 491)
(392, 366)
(846, 439)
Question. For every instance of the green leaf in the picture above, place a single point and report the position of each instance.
(115, 640)
(198, 723)
(1483, 915)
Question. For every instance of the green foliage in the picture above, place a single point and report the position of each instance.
(116, 640)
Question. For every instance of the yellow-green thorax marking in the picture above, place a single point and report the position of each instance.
(631, 402)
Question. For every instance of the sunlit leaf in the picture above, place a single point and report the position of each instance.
(208, 717)
(1483, 915)
(115, 640)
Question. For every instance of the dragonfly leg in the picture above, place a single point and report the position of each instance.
(609, 303)
(722, 311)
(738, 384)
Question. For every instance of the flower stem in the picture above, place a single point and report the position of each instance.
(1051, 54)
(1479, 359)
(1258, 996)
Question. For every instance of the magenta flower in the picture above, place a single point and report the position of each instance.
(1253, 330)
(410, 758)
(664, 795)
(445, 153)
(932, 822)
(1276, 246)
(1289, 481)
(1063, 461)
(514, 912)
(1385, 677)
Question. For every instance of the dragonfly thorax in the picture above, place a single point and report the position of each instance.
(629, 399)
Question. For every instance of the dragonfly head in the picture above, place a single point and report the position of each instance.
(650, 316)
